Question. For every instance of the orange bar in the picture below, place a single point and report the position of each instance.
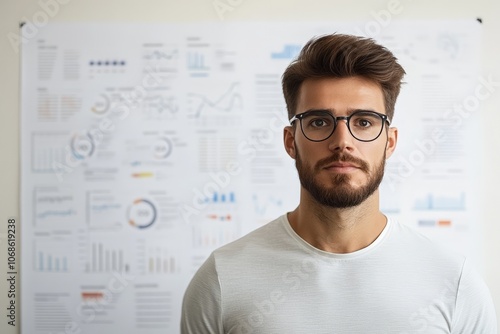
(444, 223)
(92, 295)
(143, 174)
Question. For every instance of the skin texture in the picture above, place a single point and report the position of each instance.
(340, 167)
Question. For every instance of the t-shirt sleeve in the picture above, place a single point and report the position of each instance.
(201, 307)
(475, 312)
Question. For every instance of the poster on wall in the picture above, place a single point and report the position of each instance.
(146, 146)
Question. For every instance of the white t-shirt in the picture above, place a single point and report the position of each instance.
(272, 281)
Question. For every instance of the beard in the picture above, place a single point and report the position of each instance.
(341, 194)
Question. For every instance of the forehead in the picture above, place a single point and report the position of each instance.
(341, 95)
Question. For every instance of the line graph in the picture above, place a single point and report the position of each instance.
(161, 55)
(160, 107)
(161, 58)
(266, 205)
(103, 210)
(56, 213)
(54, 206)
(227, 102)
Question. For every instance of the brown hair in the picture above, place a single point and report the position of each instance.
(340, 56)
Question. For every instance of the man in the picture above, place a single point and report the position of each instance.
(336, 264)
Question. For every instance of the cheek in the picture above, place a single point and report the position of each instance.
(376, 160)
(311, 152)
(373, 155)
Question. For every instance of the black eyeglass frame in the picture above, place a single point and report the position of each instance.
(300, 116)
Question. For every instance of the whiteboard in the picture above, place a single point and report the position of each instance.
(146, 146)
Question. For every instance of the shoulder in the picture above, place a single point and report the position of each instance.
(426, 259)
(263, 239)
(460, 284)
(259, 243)
(475, 312)
(201, 305)
(414, 243)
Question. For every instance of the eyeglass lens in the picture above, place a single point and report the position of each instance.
(363, 125)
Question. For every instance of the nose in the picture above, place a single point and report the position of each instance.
(341, 139)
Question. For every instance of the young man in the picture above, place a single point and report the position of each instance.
(336, 264)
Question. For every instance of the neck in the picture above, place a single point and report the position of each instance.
(338, 230)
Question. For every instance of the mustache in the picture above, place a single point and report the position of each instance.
(342, 157)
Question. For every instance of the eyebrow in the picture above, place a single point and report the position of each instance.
(331, 111)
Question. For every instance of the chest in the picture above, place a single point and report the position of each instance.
(339, 299)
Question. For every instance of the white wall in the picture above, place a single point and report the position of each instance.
(14, 11)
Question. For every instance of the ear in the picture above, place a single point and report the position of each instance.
(289, 140)
(392, 140)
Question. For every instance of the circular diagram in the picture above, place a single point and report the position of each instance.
(162, 148)
(102, 105)
(82, 146)
(142, 213)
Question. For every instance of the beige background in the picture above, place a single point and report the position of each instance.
(14, 11)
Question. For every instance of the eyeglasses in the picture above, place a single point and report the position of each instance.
(319, 125)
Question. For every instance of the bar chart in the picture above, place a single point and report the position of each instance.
(156, 257)
(441, 201)
(105, 258)
(48, 154)
(51, 256)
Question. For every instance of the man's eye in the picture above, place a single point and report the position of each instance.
(319, 122)
(364, 123)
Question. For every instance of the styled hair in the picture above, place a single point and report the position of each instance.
(342, 56)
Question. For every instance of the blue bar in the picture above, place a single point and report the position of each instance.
(94, 258)
(40, 259)
(426, 223)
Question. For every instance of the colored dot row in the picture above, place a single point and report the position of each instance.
(107, 63)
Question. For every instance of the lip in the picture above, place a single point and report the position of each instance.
(342, 167)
